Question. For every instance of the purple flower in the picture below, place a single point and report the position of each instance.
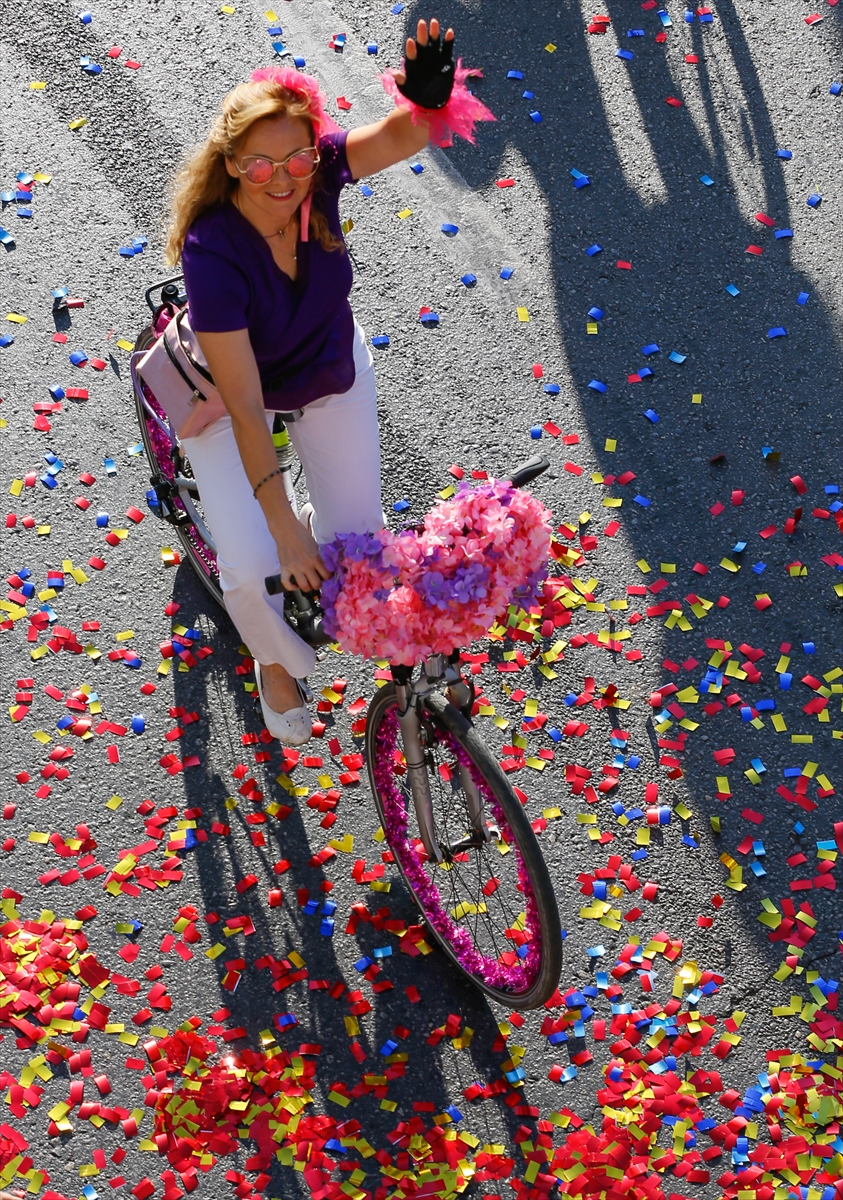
(435, 590)
(470, 582)
(360, 545)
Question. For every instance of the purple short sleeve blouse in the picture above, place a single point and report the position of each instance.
(301, 330)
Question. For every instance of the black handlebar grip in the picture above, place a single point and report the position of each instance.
(528, 471)
(273, 585)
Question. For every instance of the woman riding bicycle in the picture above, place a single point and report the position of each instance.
(256, 226)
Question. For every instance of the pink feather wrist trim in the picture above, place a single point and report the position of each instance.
(459, 116)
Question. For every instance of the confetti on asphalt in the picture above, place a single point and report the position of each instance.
(638, 1027)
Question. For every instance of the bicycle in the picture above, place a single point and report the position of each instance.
(452, 821)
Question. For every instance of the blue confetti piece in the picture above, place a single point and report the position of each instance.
(78, 357)
(382, 339)
(310, 907)
(739, 547)
(830, 489)
(664, 18)
(429, 318)
(279, 48)
(382, 952)
(651, 415)
(515, 74)
(528, 95)
(645, 373)
(732, 290)
(92, 69)
(49, 481)
(6, 340)
(389, 1047)
(645, 503)
(803, 297)
(416, 168)
(650, 348)
(809, 647)
(363, 964)
(784, 233)
(401, 506)
(127, 251)
(23, 194)
(597, 386)
(7, 197)
(102, 520)
(6, 238)
(814, 201)
(552, 389)
(138, 723)
(275, 31)
(707, 180)
(110, 466)
(596, 314)
(285, 1020)
(450, 230)
(86, 18)
(326, 927)
(24, 177)
(777, 331)
(89, 1191)
(507, 272)
(635, 33)
(836, 89)
(535, 432)
(301, 63)
(785, 680)
(595, 249)
(592, 952)
(786, 154)
(536, 117)
(468, 279)
(759, 568)
(24, 212)
(371, 47)
(676, 357)
(706, 18)
(366, 191)
(627, 54)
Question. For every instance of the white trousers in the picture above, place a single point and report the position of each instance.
(338, 443)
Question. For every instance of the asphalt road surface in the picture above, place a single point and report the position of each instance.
(700, 464)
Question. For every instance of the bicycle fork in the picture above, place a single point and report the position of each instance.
(418, 769)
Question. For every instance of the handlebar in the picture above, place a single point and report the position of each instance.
(528, 471)
(161, 283)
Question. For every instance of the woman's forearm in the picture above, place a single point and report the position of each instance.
(257, 453)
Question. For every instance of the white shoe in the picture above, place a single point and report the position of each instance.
(292, 728)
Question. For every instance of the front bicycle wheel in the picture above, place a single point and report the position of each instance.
(490, 904)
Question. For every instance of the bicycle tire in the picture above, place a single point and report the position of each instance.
(456, 731)
(191, 541)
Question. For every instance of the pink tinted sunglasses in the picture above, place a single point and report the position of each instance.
(301, 164)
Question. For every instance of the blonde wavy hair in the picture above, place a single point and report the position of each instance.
(203, 182)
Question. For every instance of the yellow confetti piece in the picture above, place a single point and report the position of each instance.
(228, 9)
(17, 318)
(802, 739)
(42, 177)
(215, 951)
(592, 327)
(347, 225)
(125, 344)
(696, 398)
(643, 566)
(36, 86)
(43, 530)
(125, 635)
(40, 839)
(345, 843)
(447, 492)
(114, 803)
(78, 123)
(523, 315)
(270, 15)
(611, 445)
(16, 488)
(550, 47)
(405, 212)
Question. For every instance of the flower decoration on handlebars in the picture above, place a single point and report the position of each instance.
(441, 585)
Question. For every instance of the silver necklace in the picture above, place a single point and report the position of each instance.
(278, 232)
